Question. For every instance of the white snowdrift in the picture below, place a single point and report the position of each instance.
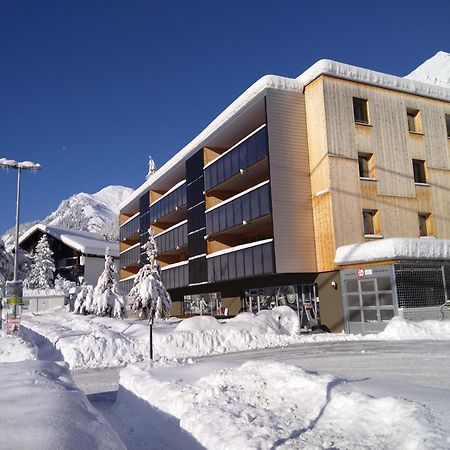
(100, 342)
(266, 404)
(42, 409)
(400, 329)
(14, 348)
(393, 248)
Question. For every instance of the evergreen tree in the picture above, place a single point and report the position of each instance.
(148, 296)
(42, 267)
(6, 265)
(107, 299)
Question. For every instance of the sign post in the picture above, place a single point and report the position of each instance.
(13, 295)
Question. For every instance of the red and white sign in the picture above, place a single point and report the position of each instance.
(12, 325)
(361, 273)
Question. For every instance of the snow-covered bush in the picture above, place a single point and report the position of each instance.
(63, 285)
(148, 297)
(81, 300)
(42, 267)
(107, 300)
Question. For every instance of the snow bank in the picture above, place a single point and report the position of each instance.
(42, 409)
(401, 329)
(266, 405)
(14, 348)
(393, 248)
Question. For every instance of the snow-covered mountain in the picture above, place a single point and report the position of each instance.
(96, 213)
(435, 70)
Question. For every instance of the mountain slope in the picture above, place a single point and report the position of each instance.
(435, 70)
(97, 213)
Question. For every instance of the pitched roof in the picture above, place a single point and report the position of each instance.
(83, 241)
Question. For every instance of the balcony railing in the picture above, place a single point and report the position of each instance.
(175, 275)
(126, 285)
(129, 228)
(239, 157)
(172, 239)
(244, 261)
(130, 257)
(240, 209)
(168, 203)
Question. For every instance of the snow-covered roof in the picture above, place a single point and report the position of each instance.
(392, 249)
(258, 89)
(83, 241)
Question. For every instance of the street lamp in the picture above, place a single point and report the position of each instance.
(19, 166)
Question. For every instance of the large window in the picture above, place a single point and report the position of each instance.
(419, 171)
(360, 110)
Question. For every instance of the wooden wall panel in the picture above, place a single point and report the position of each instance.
(290, 182)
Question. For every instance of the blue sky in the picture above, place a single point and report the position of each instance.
(90, 88)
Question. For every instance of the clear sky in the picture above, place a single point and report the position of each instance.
(90, 88)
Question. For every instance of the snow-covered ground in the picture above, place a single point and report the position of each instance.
(258, 384)
(42, 409)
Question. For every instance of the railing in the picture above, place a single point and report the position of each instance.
(244, 261)
(172, 239)
(175, 276)
(129, 228)
(130, 257)
(239, 157)
(126, 285)
(170, 202)
(245, 207)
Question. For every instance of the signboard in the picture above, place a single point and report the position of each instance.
(363, 272)
(13, 295)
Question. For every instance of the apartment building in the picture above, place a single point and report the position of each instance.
(252, 212)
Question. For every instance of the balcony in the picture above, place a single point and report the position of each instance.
(129, 231)
(239, 212)
(237, 160)
(175, 275)
(243, 261)
(171, 207)
(172, 240)
(130, 257)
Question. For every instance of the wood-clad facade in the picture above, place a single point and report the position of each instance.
(340, 195)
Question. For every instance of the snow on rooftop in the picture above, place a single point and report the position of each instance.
(83, 241)
(435, 70)
(321, 67)
(393, 248)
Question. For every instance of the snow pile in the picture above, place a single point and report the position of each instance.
(102, 342)
(267, 404)
(435, 70)
(14, 348)
(401, 329)
(393, 248)
(42, 409)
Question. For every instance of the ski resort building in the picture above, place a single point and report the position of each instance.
(260, 208)
(79, 255)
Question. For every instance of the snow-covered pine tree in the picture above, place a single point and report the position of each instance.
(42, 267)
(148, 296)
(107, 299)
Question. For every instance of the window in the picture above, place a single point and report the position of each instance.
(414, 120)
(365, 164)
(371, 222)
(419, 171)
(425, 228)
(447, 121)
(360, 111)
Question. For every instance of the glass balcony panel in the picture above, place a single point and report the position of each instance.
(242, 156)
(130, 257)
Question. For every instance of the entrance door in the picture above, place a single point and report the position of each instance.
(369, 299)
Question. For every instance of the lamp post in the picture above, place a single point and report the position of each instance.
(19, 166)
